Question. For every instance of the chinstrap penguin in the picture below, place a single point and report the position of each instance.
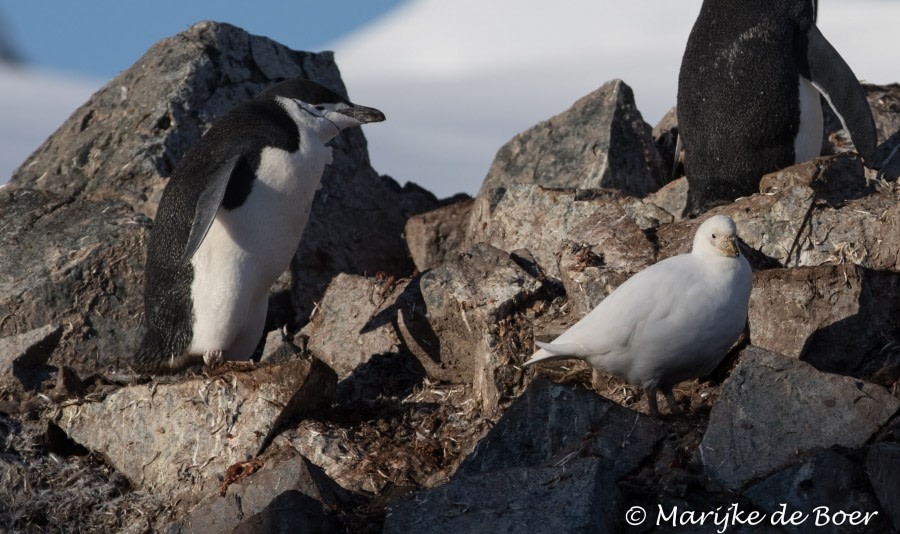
(748, 96)
(671, 322)
(230, 219)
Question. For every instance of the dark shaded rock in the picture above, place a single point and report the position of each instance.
(188, 432)
(822, 488)
(260, 496)
(23, 356)
(475, 335)
(291, 511)
(575, 497)
(555, 448)
(438, 235)
(882, 466)
(76, 263)
(839, 318)
(523, 216)
(279, 348)
(665, 134)
(554, 421)
(600, 142)
(773, 408)
(344, 332)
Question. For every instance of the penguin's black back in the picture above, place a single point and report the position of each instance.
(244, 130)
(738, 94)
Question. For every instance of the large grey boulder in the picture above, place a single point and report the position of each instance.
(839, 318)
(438, 235)
(77, 263)
(540, 220)
(344, 331)
(773, 408)
(469, 327)
(600, 142)
(166, 438)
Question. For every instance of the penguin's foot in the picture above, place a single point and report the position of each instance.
(213, 358)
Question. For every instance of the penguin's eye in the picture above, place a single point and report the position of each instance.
(714, 236)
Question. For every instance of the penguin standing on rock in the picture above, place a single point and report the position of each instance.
(230, 219)
(748, 96)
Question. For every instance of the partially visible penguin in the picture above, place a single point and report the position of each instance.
(748, 96)
(230, 219)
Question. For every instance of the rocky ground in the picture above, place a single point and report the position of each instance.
(390, 395)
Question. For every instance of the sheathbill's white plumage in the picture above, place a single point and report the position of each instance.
(671, 322)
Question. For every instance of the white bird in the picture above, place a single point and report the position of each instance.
(671, 322)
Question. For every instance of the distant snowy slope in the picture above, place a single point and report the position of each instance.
(34, 105)
(458, 79)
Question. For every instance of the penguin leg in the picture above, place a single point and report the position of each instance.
(213, 358)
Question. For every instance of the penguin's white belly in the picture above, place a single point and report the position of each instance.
(808, 143)
(247, 248)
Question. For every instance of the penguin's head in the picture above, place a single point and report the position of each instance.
(321, 103)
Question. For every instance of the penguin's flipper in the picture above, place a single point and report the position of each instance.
(831, 75)
(207, 206)
(678, 148)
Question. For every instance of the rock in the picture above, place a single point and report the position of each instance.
(671, 198)
(345, 332)
(576, 497)
(21, 354)
(279, 348)
(665, 133)
(129, 135)
(291, 511)
(551, 421)
(586, 280)
(882, 466)
(189, 432)
(76, 263)
(600, 142)
(647, 215)
(827, 480)
(555, 448)
(470, 332)
(262, 493)
(839, 318)
(531, 217)
(438, 235)
(773, 408)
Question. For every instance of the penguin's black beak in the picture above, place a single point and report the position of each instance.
(362, 114)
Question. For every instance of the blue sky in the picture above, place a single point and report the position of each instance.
(100, 38)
